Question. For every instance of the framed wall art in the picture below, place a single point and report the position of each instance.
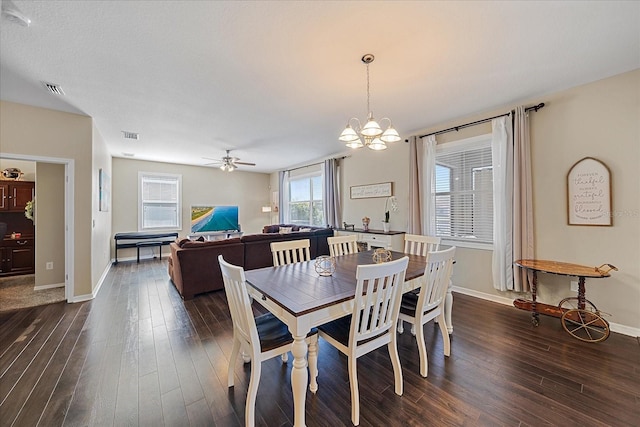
(104, 191)
(589, 193)
(382, 189)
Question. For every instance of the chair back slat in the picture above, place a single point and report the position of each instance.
(290, 251)
(437, 274)
(239, 303)
(377, 299)
(416, 244)
(342, 245)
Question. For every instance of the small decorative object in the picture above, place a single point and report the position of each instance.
(589, 193)
(348, 226)
(28, 209)
(16, 235)
(325, 265)
(365, 223)
(12, 174)
(381, 255)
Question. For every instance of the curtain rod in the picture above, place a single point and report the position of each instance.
(313, 164)
(477, 122)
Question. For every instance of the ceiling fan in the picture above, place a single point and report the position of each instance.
(228, 163)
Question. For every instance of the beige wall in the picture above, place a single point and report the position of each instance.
(600, 120)
(50, 223)
(101, 220)
(33, 131)
(200, 185)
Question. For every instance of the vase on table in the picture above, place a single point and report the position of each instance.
(365, 223)
(385, 226)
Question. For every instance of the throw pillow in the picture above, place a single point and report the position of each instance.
(305, 229)
(285, 230)
(200, 239)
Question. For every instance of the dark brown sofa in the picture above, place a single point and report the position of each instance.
(194, 268)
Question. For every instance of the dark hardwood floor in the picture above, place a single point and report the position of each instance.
(139, 355)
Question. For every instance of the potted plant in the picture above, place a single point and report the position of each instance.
(390, 204)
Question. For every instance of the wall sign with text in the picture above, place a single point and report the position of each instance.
(371, 190)
(589, 193)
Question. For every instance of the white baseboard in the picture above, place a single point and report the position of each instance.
(142, 257)
(94, 293)
(43, 287)
(615, 327)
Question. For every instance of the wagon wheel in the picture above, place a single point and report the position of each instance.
(585, 325)
(571, 303)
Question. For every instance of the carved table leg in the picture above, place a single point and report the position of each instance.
(299, 378)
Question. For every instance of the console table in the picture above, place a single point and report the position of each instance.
(393, 240)
(142, 239)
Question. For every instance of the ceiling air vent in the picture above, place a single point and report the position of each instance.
(130, 135)
(128, 154)
(53, 88)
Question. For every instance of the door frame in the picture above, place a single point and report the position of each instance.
(69, 204)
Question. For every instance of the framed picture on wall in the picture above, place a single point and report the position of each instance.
(589, 193)
(104, 191)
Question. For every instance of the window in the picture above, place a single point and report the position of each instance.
(159, 201)
(463, 188)
(306, 200)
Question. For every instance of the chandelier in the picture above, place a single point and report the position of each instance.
(373, 136)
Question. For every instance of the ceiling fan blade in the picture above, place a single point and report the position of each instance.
(244, 163)
(210, 158)
(213, 164)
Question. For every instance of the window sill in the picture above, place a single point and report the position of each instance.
(469, 245)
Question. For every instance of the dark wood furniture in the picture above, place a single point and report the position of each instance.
(142, 240)
(17, 255)
(580, 317)
(302, 299)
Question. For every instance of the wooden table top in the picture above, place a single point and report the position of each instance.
(563, 268)
(299, 289)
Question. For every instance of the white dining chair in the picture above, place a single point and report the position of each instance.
(417, 244)
(263, 337)
(372, 322)
(342, 245)
(290, 251)
(428, 304)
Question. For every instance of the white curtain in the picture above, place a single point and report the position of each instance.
(502, 156)
(416, 185)
(523, 244)
(331, 194)
(283, 177)
(428, 189)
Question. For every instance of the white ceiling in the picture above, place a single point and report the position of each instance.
(276, 81)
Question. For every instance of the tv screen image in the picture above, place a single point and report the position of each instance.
(206, 219)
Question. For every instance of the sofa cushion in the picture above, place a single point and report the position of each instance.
(207, 243)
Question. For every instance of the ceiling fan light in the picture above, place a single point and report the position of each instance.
(390, 135)
(371, 128)
(377, 144)
(348, 135)
(355, 144)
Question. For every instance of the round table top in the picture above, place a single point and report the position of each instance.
(564, 268)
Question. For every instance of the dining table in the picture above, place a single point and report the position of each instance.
(303, 299)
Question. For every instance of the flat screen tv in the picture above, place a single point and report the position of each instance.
(209, 219)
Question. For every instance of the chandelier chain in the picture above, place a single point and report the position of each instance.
(368, 93)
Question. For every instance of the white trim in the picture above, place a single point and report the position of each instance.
(69, 206)
(43, 287)
(468, 244)
(615, 327)
(134, 258)
(94, 293)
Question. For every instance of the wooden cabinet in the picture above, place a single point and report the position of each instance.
(17, 256)
(393, 240)
(14, 195)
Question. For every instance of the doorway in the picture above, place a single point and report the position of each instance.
(68, 231)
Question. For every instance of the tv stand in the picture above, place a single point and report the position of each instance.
(216, 235)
